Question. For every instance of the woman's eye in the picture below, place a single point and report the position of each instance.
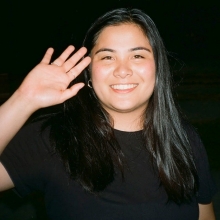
(138, 56)
(107, 58)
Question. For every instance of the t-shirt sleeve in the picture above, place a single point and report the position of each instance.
(24, 159)
(207, 187)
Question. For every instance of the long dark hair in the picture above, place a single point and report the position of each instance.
(84, 137)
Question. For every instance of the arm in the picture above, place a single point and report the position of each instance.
(206, 212)
(44, 86)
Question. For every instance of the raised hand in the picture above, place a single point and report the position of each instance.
(46, 84)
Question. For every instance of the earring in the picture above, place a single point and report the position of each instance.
(90, 83)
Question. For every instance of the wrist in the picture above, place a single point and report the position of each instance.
(23, 103)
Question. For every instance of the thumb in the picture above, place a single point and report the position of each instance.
(72, 91)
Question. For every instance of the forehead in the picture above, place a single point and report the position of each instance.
(120, 34)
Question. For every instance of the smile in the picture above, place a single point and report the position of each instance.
(124, 86)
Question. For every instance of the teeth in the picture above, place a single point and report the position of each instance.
(123, 86)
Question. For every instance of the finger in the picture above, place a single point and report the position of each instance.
(47, 56)
(76, 70)
(71, 62)
(62, 58)
(72, 91)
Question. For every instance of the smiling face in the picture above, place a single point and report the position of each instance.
(123, 69)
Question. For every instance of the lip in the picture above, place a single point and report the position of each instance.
(124, 88)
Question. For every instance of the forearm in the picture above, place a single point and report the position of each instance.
(206, 212)
(13, 114)
(45, 85)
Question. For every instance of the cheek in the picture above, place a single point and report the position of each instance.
(98, 78)
(95, 69)
(147, 72)
(99, 73)
(96, 74)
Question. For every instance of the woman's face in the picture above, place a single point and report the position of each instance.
(123, 69)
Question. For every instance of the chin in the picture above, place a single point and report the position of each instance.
(129, 109)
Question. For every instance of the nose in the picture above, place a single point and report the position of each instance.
(122, 70)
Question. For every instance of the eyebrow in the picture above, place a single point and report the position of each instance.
(104, 49)
(130, 50)
(139, 48)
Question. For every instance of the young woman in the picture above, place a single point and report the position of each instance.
(119, 148)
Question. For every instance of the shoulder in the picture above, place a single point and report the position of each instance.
(33, 131)
(29, 158)
(206, 185)
(193, 138)
(197, 147)
(31, 138)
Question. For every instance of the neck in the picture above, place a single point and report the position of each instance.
(127, 121)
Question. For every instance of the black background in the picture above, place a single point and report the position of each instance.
(191, 33)
(190, 29)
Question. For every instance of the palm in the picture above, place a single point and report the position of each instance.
(47, 84)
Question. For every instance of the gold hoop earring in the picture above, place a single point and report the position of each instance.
(90, 83)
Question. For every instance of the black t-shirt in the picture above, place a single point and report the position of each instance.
(34, 166)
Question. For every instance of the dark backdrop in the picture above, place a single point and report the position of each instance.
(190, 29)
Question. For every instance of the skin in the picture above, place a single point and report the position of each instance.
(206, 212)
(123, 56)
(46, 85)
